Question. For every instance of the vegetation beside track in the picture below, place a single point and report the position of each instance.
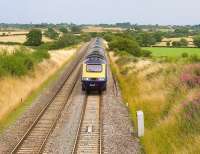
(30, 86)
(168, 94)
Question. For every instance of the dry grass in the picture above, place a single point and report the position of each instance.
(21, 32)
(155, 88)
(19, 38)
(14, 91)
(8, 48)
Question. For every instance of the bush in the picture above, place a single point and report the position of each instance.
(125, 44)
(64, 41)
(146, 53)
(184, 55)
(39, 55)
(181, 43)
(63, 30)
(194, 58)
(51, 33)
(20, 62)
(197, 41)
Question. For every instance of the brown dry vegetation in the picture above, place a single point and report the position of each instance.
(19, 38)
(169, 98)
(14, 90)
(8, 48)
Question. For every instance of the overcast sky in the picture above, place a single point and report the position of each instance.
(102, 11)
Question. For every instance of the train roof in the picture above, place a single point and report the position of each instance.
(95, 60)
(95, 54)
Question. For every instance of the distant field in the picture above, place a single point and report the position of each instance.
(164, 41)
(19, 38)
(172, 52)
(102, 29)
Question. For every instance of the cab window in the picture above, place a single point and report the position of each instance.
(94, 68)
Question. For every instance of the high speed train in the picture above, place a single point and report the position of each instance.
(94, 68)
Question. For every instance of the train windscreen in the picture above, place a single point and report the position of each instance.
(94, 68)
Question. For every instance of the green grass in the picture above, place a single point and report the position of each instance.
(12, 117)
(172, 52)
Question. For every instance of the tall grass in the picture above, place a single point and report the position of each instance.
(171, 106)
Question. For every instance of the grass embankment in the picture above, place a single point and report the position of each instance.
(173, 52)
(18, 92)
(168, 94)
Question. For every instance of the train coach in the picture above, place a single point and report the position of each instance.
(94, 70)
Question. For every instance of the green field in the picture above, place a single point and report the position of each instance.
(172, 52)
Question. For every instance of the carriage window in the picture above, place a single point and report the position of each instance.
(94, 68)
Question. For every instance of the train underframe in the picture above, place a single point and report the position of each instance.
(93, 85)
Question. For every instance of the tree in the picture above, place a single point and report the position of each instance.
(76, 29)
(197, 41)
(183, 42)
(168, 44)
(176, 44)
(51, 33)
(34, 38)
(63, 30)
(158, 36)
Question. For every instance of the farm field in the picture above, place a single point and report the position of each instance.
(19, 38)
(102, 29)
(164, 41)
(172, 52)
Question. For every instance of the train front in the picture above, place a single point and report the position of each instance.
(94, 76)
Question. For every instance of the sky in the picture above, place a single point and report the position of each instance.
(163, 12)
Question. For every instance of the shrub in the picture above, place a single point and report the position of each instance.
(39, 55)
(181, 43)
(168, 44)
(189, 118)
(197, 41)
(20, 62)
(64, 41)
(125, 44)
(184, 55)
(191, 76)
(63, 30)
(146, 53)
(51, 33)
(194, 58)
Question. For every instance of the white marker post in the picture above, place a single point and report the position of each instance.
(140, 120)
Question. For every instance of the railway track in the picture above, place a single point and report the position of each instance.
(88, 139)
(35, 138)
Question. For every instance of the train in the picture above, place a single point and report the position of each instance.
(94, 68)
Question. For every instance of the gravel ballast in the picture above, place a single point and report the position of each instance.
(117, 126)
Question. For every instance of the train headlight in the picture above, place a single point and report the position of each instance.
(86, 79)
(101, 79)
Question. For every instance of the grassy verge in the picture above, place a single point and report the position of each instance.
(168, 94)
(12, 116)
